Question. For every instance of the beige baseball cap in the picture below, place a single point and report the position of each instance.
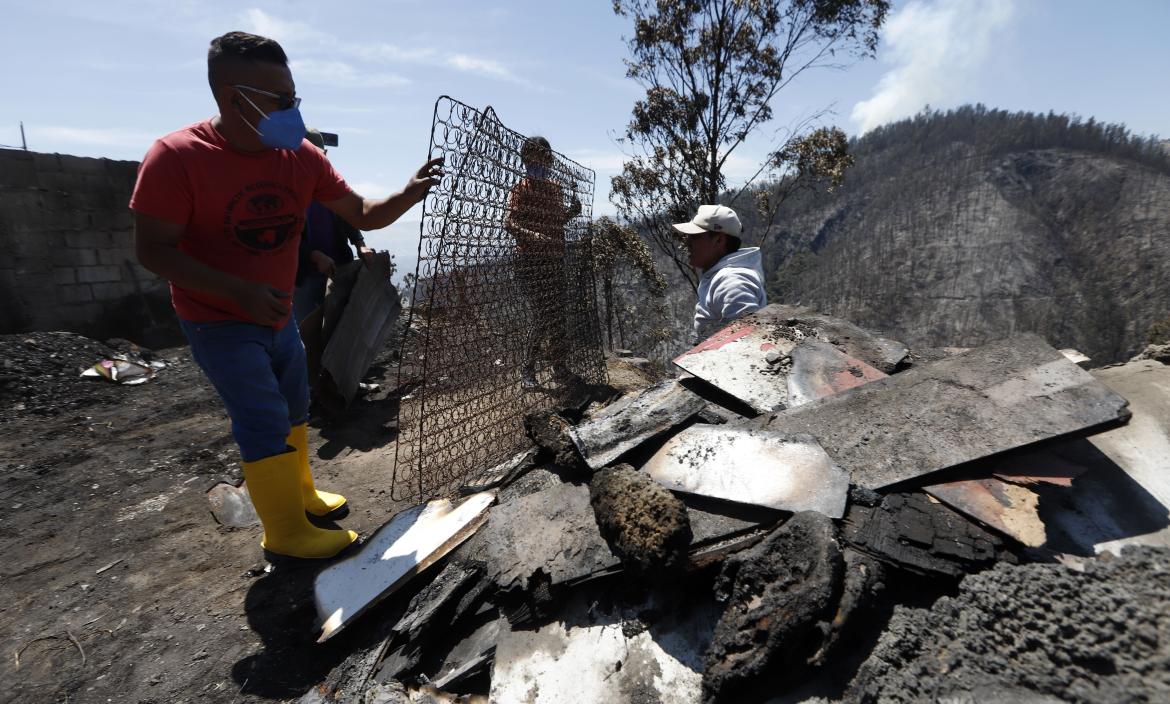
(712, 218)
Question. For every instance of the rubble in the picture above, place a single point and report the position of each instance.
(999, 397)
(750, 359)
(730, 547)
(914, 533)
(607, 652)
(644, 523)
(407, 545)
(39, 374)
(780, 598)
(1011, 509)
(550, 431)
(753, 466)
(819, 370)
(630, 421)
(1039, 632)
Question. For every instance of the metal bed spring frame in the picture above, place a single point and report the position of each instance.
(498, 295)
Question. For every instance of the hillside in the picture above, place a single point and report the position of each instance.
(953, 229)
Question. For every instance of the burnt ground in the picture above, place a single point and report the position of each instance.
(92, 473)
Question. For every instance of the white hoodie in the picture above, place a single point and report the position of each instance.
(732, 288)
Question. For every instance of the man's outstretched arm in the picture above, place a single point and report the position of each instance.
(156, 242)
(375, 213)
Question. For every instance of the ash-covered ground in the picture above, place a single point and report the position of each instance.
(93, 474)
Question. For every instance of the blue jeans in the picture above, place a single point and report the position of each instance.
(261, 376)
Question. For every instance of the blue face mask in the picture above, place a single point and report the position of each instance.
(283, 129)
(535, 171)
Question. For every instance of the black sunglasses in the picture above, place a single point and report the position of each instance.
(283, 101)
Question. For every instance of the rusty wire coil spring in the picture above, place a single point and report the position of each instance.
(504, 290)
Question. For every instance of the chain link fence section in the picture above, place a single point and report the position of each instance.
(503, 316)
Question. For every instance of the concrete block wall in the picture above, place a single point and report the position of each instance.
(67, 250)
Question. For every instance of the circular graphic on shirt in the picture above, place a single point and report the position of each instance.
(263, 217)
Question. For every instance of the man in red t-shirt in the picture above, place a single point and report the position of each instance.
(219, 207)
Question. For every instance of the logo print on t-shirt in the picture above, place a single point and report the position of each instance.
(263, 217)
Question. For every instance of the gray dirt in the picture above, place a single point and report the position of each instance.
(645, 524)
(1035, 631)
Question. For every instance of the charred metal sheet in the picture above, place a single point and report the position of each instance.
(819, 370)
(992, 399)
(629, 421)
(232, 506)
(598, 654)
(413, 540)
(1141, 448)
(877, 351)
(1010, 509)
(502, 473)
(470, 655)
(551, 531)
(735, 360)
(752, 466)
(1124, 497)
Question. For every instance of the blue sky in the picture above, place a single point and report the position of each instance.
(104, 79)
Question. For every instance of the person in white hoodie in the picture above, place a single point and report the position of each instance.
(732, 281)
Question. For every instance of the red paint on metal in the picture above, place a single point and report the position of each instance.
(724, 337)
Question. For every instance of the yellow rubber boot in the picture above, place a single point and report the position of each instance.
(275, 486)
(318, 503)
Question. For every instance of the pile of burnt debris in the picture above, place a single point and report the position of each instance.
(810, 511)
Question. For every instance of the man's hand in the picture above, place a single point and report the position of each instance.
(323, 262)
(367, 255)
(264, 304)
(426, 178)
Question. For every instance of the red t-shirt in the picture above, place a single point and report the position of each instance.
(243, 212)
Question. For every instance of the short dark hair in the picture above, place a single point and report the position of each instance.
(733, 243)
(534, 146)
(241, 47)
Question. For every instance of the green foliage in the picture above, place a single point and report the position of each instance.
(710, 69)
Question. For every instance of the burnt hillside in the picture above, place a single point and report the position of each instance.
(957, 228)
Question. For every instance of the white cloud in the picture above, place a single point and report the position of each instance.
(483, 67)
(260, 22)
(937, 49)
(339, 73)
(607, 163)
(88, 136)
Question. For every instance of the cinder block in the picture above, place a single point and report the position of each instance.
(46, 163)
(122, 239)
(115, 256)
(17, 169)
(112, 291)
(90, 239)
(77, 293)
(65, 217)
(65, 256)
(98, 274)
(124, 219)
(64, 275)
